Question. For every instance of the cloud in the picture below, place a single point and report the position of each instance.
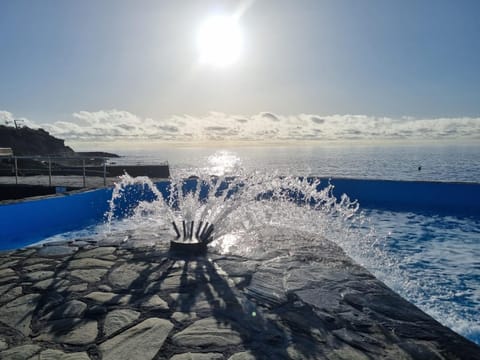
(317, 120)
(270, 116)
(115, 124)
(6, 117)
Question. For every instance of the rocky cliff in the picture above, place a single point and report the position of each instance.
(25, 141)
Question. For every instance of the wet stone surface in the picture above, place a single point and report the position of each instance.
(83, 301)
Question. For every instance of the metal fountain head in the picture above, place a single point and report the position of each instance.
(192, 243)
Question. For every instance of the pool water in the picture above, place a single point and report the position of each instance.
(435, 263)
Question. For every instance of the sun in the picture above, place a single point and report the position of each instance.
(219, 41)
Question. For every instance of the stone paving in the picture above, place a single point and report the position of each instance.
(85, 301)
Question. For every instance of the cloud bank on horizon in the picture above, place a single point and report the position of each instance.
(114, 125)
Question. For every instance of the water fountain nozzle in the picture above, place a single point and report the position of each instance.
(190, 235)
(197, 234)
(184, 229)
(206, 235)
(187, 245)
(176, 229)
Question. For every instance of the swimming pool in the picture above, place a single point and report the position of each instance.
(411, 235)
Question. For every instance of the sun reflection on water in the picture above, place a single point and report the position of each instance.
(223, 162)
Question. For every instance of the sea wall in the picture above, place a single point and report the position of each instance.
(25, 222)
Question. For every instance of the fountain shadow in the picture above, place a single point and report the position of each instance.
(265, 330)
(234, 320)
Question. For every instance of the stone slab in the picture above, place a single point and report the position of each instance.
(39, 275)
(75, 288)
(20, 352)
(38, 260)
(8, 263)
(7, 272)
(57, 251)
(52, 354)
(118, 319)
(70, 331)
(71, 309)
(125, 275)
(182, 316)
(89, 275)
(5, 288)
(244, 355)
(99, 252)
(207, 332)
(198, 356)
(43, 284)
(105, 288)
(155, 302)
(3, 345)
(108, 298)
(37, 267)
(141, 342)
(11, 294)
(86, 263)
(18, 313)
(178, 283)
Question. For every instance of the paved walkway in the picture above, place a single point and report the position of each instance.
(85, 301)
(70, 180)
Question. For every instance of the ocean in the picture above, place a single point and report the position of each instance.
(390, 162)
(433, 260)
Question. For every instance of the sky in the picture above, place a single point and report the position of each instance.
(307, 70)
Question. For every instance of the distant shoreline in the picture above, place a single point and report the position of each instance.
(97, 154)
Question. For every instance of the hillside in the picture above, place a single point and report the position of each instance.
(25, 141)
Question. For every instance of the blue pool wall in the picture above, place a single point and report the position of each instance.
(26, 222)
(458, 199)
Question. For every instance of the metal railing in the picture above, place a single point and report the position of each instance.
(54, 166)
(84, 166)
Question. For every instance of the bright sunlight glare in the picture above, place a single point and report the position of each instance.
(220, 41)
